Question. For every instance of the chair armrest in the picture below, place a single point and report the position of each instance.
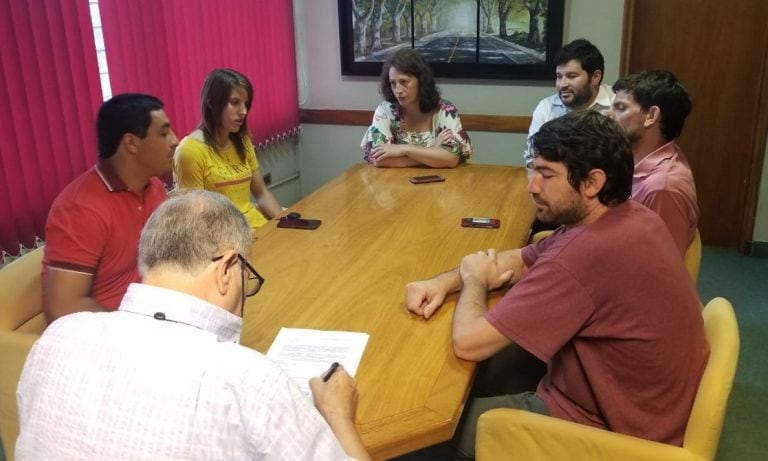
(515, 434)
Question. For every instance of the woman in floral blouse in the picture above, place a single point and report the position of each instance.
(413, 126)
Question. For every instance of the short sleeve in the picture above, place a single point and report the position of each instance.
(544, 310)
(673, 210)
(448, 119)
(251, 159)
(75, 237)
(380, 131)
(189, 164)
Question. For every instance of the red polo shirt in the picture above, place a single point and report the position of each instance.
(93, 228)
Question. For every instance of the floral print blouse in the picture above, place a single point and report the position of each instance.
(386, 129)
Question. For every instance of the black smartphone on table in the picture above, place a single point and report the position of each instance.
(295, 221)
(427, 179)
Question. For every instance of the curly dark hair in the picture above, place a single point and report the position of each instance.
(585, 141)
(659, 88)
(411, 62)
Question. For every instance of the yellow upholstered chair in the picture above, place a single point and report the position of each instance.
(539, 235)
(693, 257)
(21, 323)
(519, 435)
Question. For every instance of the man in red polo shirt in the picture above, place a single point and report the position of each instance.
(94, 224)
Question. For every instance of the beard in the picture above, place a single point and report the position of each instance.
(580, 98)
(633, 136)
(572, 213)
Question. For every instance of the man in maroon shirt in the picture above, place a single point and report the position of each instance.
(93, 227)
(605, 301)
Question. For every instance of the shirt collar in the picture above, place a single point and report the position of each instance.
(655, 158)
(604, 97)
(182, 308)
(109, 176)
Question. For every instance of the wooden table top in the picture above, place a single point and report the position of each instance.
(380, 232)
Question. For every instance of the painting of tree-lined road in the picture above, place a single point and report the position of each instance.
(452, 31)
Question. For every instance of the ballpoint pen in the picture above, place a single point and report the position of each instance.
(330, 371)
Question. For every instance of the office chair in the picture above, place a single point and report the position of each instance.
(21, 323)
(511, 434)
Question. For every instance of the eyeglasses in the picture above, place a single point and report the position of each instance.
(252, 284)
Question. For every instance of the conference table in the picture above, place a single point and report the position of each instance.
(379, 232)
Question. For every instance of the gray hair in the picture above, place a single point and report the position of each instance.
(191, 228)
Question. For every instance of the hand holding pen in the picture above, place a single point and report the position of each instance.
(327, 375)
(337, 396)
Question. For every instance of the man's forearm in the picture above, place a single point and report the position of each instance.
(451, 280)
(472, 305)
(348, 438)
(474, 338)
(470, 309)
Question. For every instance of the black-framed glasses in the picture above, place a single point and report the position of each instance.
(253, 282)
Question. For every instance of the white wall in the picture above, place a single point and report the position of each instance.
(325, 150)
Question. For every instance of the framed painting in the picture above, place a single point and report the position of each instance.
(502, 39)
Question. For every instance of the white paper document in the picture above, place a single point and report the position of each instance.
(304, 354)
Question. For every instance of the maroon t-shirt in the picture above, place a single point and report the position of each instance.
(611, 309)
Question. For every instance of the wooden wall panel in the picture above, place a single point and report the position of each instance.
(718, 49)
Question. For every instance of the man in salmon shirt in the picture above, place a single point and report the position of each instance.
(651, 107)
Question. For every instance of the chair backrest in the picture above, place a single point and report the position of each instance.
(539, 236)
(693, 256)
(21, 302)
(14, 348)
(21, 322)
(706, 421)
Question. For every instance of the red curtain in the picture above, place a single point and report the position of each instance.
(49, 95)
(166, 48)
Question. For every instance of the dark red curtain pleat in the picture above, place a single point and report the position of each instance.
(167, 48)
(49, 95)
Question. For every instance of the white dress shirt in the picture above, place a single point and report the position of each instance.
(126, 385)
(552, 107)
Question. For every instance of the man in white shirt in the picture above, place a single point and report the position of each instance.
(578, 80)
(164, 377)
